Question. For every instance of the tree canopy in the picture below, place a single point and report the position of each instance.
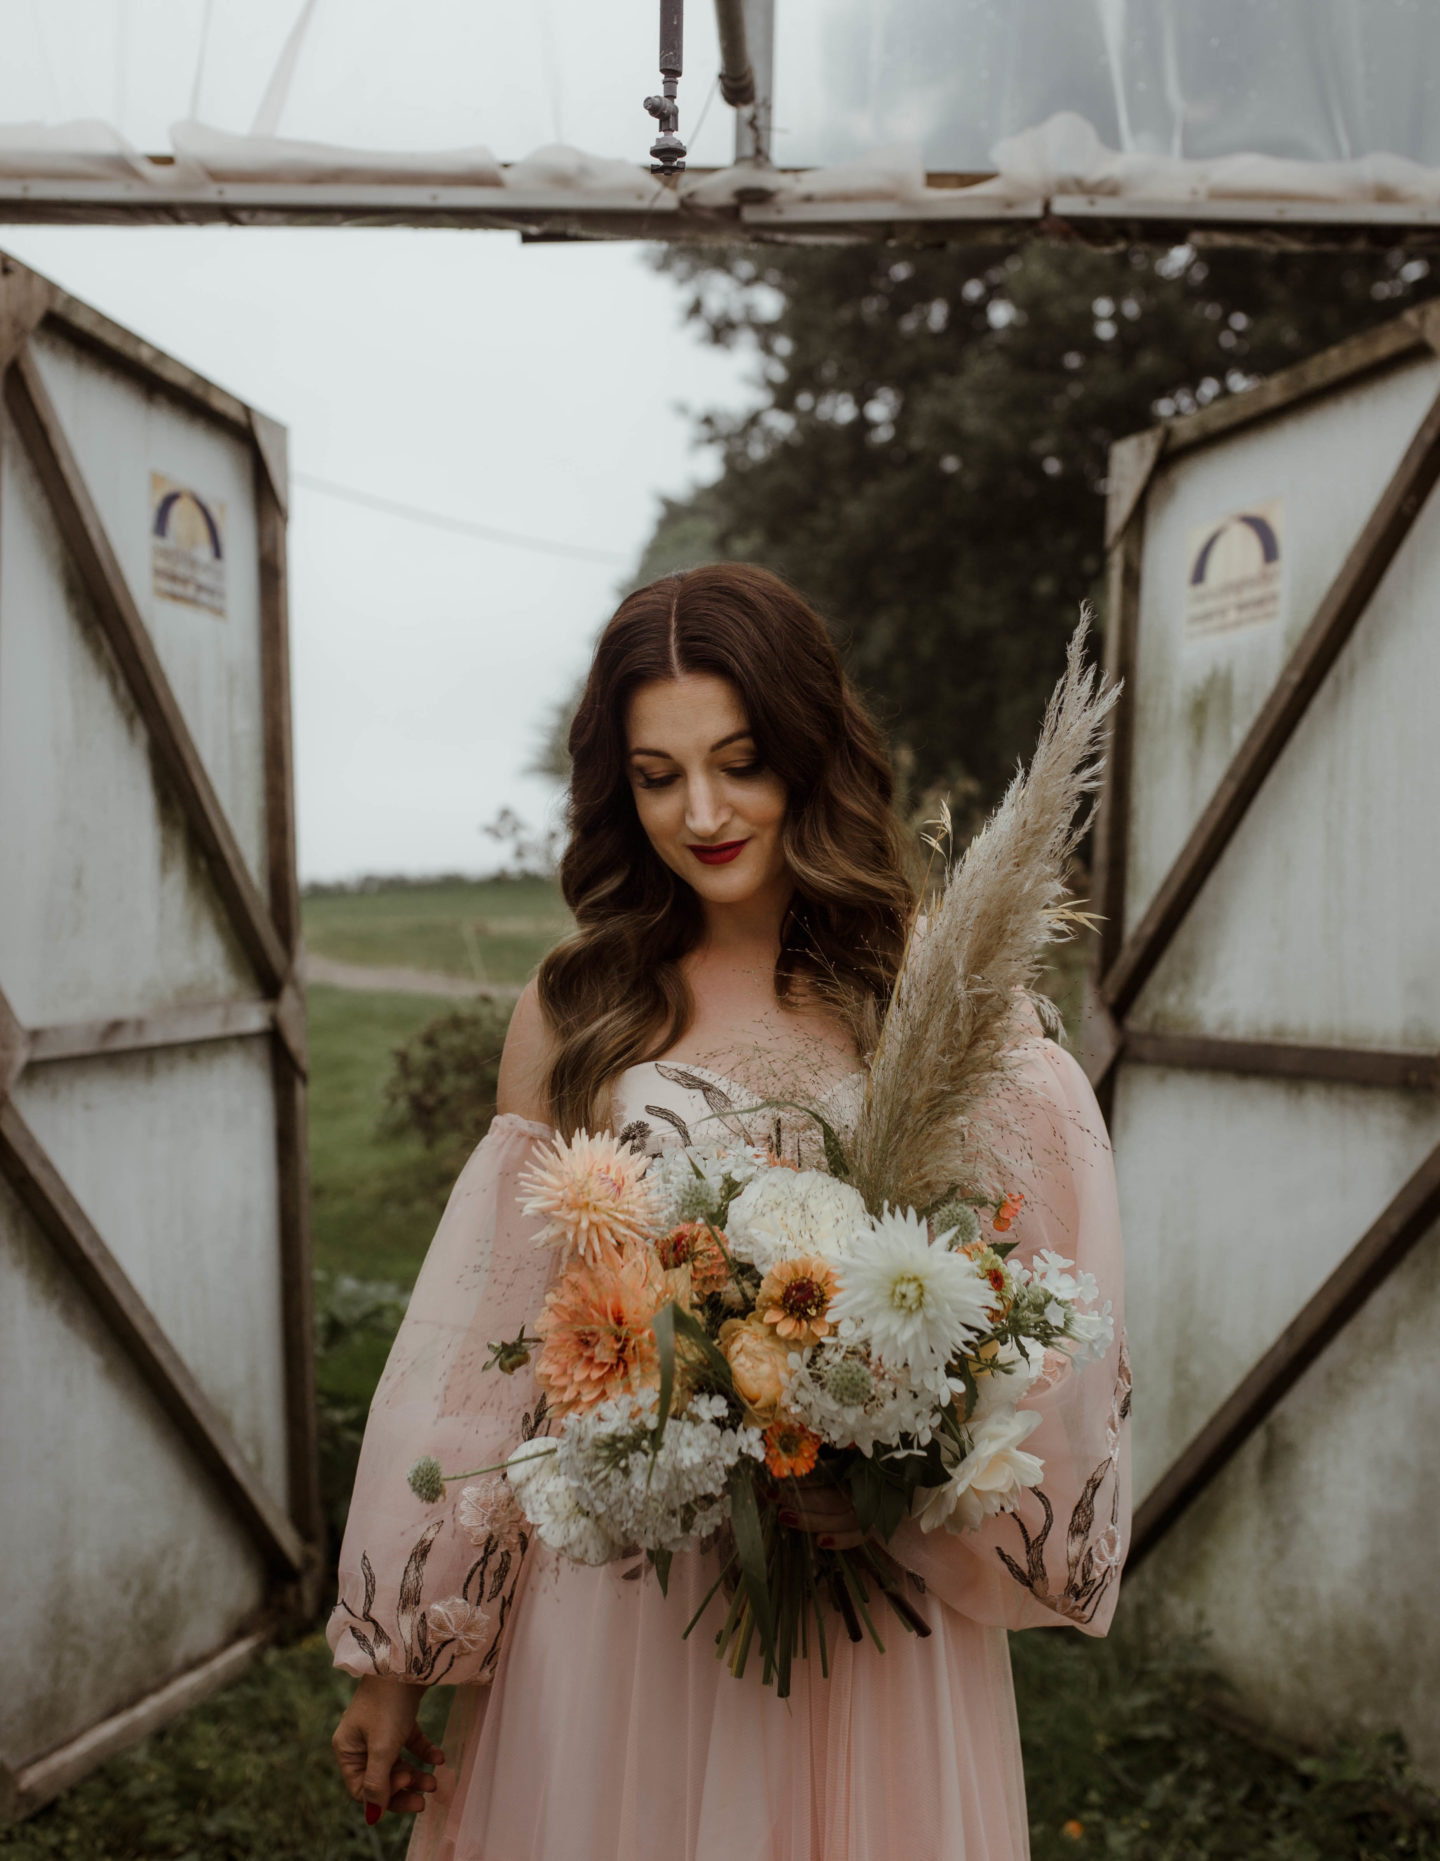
(925, 456)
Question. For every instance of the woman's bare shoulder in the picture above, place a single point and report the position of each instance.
(525, 1062)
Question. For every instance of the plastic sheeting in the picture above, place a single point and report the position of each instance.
(1304, 80)
(1170, 100)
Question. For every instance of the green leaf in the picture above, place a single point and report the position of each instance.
(750, 1549)
(664, 1328)
(662, 1560)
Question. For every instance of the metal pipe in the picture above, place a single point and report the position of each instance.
(667, 152)
(737, 79)
(752, 120)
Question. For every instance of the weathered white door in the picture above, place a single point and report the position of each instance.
(156, 1416)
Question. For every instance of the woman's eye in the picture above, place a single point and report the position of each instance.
(749, 768)
(655, 781)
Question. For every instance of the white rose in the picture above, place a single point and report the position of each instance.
(783, 1213)
(990, 1479)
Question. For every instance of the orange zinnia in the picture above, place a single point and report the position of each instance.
(790, 1449)
(795, 1296)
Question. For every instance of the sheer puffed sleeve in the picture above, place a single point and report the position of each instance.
(1056, 1559)
(425, 1590)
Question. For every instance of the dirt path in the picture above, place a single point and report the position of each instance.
(326, 971)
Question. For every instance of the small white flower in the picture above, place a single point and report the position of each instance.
(784, 1212)
(915, 1302)
(989, 1479)
(1094, 1333)
(458, 1621)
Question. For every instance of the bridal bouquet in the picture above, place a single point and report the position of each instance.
(725, 1328)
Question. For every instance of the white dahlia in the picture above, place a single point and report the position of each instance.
(911, 1300)
(784, 1213)
(991, 1477)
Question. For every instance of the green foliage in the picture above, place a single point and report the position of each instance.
(1130, 1752)
(443, 1080)
(247, 1776)
(926, 457)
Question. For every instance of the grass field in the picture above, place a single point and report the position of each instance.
(486, 930)
(1127, 1755)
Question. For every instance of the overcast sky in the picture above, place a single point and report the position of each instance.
(537, 389)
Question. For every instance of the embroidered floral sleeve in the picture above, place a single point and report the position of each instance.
(1056, 1557)
(426, 1589)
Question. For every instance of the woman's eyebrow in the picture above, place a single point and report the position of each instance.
(736, 736)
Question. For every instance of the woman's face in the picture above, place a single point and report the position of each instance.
(711, 810)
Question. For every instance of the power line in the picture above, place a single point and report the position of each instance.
(459, 526)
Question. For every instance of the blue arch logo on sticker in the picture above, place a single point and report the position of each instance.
(187, 545)
(1235, 572)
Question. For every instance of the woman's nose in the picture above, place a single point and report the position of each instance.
(704, 810)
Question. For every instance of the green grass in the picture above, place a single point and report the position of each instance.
(247, 1776)
(1130, 1752)
(487, 930)
(373, 1197)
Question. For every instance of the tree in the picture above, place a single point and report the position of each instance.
(926, 454)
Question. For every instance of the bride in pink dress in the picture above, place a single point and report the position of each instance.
(741, 901)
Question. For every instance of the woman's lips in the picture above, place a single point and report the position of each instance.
(719, 855)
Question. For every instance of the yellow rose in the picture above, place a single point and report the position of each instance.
(758, 1363)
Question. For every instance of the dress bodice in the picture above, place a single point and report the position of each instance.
(660, 1103)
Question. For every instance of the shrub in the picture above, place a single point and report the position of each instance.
(443, 1080)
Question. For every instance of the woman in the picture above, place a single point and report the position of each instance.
(741, 903)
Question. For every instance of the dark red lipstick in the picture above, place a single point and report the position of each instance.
(719, 855)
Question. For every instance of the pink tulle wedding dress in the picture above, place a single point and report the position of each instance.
(583, 1727)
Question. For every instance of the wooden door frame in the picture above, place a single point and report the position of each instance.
(267, 926)
(1126, 962)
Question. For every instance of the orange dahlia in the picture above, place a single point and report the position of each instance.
(790, 1449)
(795, 1296)
(693, 1245)
(596, 1331)
(593, 1193)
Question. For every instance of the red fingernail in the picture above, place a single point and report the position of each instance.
(373, 1813)
(825, 1543)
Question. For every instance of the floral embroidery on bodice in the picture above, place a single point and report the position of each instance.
(659, 1103)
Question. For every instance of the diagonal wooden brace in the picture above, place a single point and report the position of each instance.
(1317, 650)
(38, 425)
(1363, 1270)
(39, 1186)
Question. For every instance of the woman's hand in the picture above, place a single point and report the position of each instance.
(379, 1724)
(827, 1512)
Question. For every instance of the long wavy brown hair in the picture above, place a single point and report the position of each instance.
(614, 993)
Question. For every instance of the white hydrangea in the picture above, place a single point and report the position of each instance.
(691, 1181)
(548, 1500)
(912, 1300)
(785, 1212)
(851, 1399)
(663, 1500)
